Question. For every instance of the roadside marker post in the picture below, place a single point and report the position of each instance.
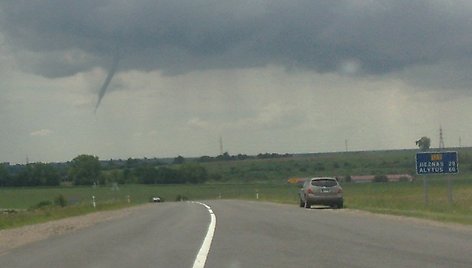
(437, 163)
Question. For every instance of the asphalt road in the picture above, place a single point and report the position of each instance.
(252, 234)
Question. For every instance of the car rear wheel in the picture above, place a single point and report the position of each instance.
(307, 205)
(340, 205)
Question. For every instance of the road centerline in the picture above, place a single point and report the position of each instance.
(205, 248)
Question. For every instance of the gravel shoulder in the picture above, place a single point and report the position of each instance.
(13, 238)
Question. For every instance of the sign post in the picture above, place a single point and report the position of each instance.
(430, 163)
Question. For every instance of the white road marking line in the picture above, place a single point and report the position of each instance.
(205, 248)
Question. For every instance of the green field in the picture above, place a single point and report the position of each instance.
(401, 198)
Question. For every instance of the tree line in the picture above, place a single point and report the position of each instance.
(37, 174)
(227, 157)
(186, 173)
(88, 170)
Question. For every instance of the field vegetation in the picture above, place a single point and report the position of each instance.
(247, 178)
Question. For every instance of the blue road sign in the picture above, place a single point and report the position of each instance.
(437, 163)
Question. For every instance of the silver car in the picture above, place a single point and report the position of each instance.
(321, 191)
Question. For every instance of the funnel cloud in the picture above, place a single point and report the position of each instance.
(106, 83)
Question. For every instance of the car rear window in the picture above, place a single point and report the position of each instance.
(324, 183)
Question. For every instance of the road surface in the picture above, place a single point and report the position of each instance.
(252, 234)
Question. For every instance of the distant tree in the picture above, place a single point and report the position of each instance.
(225, 156)
(186, 173)
(205, 158)
(131, 163)
(169, 176)
(112, 176)
(85, 169)
(146, 174)
(242, 156)
(24, 177)
(4, 175)
(272, 155)
(35, 174)
(424, 143)
(127, 175)
(179, 160)
(45, 174)
(193, 173)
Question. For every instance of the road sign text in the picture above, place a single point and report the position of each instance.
(437, 163)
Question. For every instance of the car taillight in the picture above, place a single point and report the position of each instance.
(340, 190)
(310, 191)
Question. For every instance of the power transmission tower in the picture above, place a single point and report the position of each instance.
(441, 140)
(221, 145)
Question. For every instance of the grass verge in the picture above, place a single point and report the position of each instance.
(405, 199)
(408, 199)
(33, 216)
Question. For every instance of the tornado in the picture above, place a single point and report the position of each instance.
(111, 73)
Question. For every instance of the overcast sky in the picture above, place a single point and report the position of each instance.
(266, 76)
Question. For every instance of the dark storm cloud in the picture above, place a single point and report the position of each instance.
(180, 36)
